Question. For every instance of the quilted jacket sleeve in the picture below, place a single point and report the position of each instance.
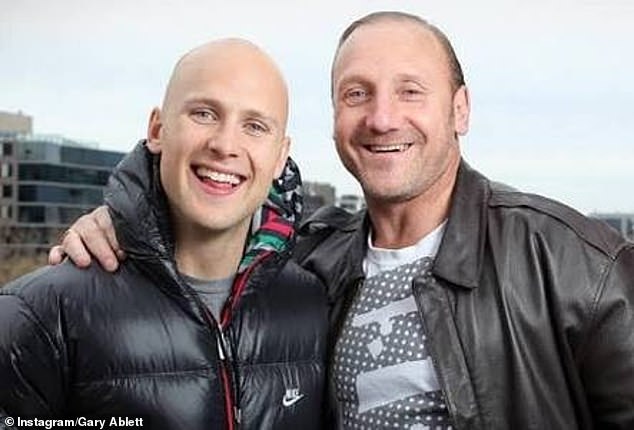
(31, 377)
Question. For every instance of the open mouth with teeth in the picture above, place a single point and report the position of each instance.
(380, 149)
(216, 179)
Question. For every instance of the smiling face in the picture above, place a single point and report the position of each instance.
(397, 116)
(221, 136)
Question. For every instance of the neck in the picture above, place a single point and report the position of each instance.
(400, 224)
(206, 255)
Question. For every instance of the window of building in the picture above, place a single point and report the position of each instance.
(32, 214)
(5, 170)
(5, 212)
(90, 157)
(7, 191)
(59, 194)
(52, 173)
(7, 149)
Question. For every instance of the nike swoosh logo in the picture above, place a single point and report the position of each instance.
(290, 401)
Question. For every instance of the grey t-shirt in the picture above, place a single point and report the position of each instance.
(214, 292)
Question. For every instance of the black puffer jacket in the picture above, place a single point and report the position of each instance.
(140, 344)
(531, 320)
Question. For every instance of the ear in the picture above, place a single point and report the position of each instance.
(281, 161)
(461, 110)
(154, 128)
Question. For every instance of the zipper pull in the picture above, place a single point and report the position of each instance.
(237, 412)
(221, 348)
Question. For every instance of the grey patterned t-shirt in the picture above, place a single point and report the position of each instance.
(383, 374)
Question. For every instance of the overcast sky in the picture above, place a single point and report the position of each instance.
(550, 80)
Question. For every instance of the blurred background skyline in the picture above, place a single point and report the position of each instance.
(552, 98)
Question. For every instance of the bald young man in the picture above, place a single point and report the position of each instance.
(208, 324)
(457, 302)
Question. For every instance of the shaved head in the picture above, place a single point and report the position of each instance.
(243, 60)
(221, 137)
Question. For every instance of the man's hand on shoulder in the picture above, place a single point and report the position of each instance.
(91, 235)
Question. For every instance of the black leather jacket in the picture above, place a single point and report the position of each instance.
(531, 322)
(140, 344)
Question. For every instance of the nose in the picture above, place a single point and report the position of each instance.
(382, 115)
(223, 141)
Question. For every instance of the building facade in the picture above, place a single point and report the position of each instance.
(45, 184)
(351, 202)
(16, 123)
(316, 195)
(621, 222)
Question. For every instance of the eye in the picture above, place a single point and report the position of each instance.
(412, 93)
(256, 128)
(204, 115)
(355, 96)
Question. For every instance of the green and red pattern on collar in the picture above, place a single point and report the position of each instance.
(272, 229)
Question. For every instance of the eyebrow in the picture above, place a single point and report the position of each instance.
(408, 77)
(354, 78)
(400, 77)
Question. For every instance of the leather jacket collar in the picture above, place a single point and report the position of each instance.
(459, 258)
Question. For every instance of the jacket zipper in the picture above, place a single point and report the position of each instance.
(221, 345)
(228, 375)
(231, 410)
